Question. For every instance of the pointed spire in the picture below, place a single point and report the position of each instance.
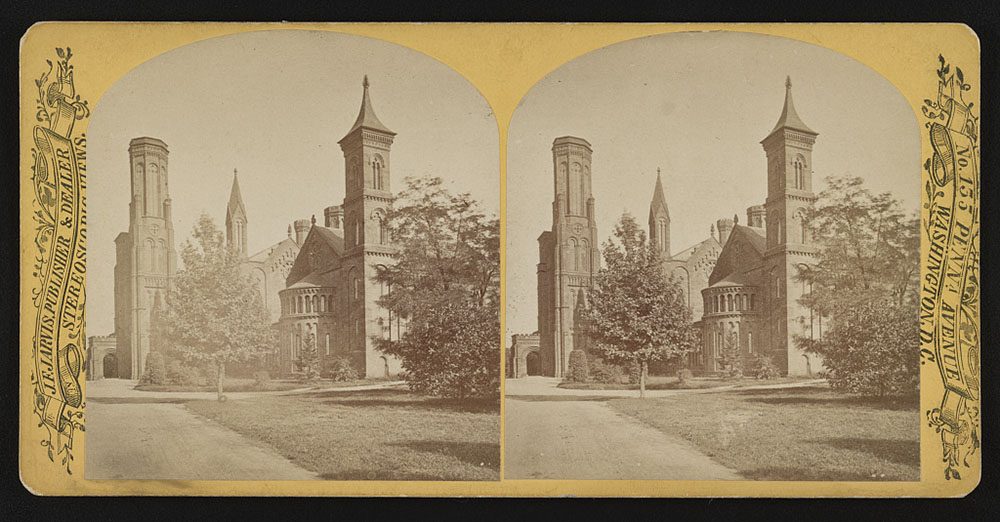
(659, 199)
(236, 199)
(789, 118)
(366, 116)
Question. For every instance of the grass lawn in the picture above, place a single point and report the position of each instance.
(237, 384)
(385, 434)
(657, 382)
(794, 434)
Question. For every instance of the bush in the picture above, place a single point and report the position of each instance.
(341, 370)
(260, 379)
(873, 349)
(579, 370)
(684, 375)
(179, 373)
(763, 367)
(730, 357)
(634, 372)
(605, 373)
(156, 370)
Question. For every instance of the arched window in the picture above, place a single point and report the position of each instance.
(574, 260)
(357, 232)
(753, 301)
(147, 254)
(357, 287)
(328, 343)
(377, 172)
(583, 257)
(162, 255)
(151, 192)
(750, 342)
(308, 305)
(574, 185)
(329, 304)
(729, 303)
(661, 234)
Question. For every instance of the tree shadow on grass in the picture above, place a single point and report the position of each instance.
(906, 452)
(403, 399)
(479, 454)
(820, 397)
(813, 474)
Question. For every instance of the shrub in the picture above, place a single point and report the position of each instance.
(179, 373)
(873, 349)
(579, 370)
(604, 372)
(260, 379)
(156, 371)
(341, 370)
(634, 372)
(763, 367)
(684, 375)
(730, 357)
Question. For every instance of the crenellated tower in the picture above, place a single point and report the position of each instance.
(569, 256)
(145, 255)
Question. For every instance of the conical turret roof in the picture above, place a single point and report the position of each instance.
(659, 199)
(235, 198)
(789, 119)
(366, 116)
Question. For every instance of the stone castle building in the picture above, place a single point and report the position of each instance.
(742, 283)
(145, 255)
(102, 361)
(330, 293)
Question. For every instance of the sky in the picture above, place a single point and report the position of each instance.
(273, 105)
(695, 105)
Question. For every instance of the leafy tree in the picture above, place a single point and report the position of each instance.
(872, 350)
(635, 314)
(445, 285)
(866, 281)
(730, 357)
(214, 314)
(763, 367)
(341, 370)
(870, 248)
(308, 359)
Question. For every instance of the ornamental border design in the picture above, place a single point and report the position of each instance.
(949, 293)
(58, 210)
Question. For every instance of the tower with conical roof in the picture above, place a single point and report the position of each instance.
(789, 247)
(659, 220)
(368, 198)
(236, 219)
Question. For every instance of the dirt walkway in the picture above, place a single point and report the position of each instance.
(144, 435)
(584, 439)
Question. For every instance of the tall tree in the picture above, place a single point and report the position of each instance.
(870, 248)
(866, 282)
(308, 361)
(635, 313)
(214, 314)
(445, 284)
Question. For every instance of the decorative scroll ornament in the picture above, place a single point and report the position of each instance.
(949, 295)
(59, 178)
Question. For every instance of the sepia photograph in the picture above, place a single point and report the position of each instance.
(713, 249)
(294, 266)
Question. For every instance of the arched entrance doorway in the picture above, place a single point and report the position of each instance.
(531, 363)
(385, 367)
(110, 363)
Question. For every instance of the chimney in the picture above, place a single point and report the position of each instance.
(755, 216)
(725, 226)
(302, 227)
(334, 217)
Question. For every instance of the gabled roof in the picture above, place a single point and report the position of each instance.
(322, 241)
(789, 119)
(756, 236)
(264, 254)
(331, 237)
(236, 199)
(659, 200)
(366, 116)
(686, 254)
(324, 277)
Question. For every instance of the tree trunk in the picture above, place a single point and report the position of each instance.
(643, 369)
(221, 377)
